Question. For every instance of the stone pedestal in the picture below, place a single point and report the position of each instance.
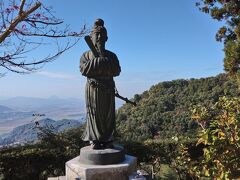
(101, 164)
(121, 171)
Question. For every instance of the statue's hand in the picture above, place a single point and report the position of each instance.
(103, 59)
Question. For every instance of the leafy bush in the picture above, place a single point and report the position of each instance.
(219, 140)
(44, 159)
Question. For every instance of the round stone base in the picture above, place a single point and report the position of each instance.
(101, 156)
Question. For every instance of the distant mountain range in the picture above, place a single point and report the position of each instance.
(19, 110)
(29, 133)
(33, 104)
(4, 109)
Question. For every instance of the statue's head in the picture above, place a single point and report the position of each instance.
(99, 35)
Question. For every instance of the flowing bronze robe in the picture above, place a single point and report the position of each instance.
(100, 95)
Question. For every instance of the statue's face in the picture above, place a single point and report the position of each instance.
(99, 39)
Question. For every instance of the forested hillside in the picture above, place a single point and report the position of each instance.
(165, 109)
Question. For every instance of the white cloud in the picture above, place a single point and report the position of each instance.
(57, 75)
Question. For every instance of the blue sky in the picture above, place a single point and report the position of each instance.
(154, 40)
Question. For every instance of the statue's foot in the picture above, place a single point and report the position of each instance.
(95, 145)
(108, 145)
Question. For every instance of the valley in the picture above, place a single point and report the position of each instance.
(19, 110)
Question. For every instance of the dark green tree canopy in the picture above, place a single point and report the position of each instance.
(164, 110)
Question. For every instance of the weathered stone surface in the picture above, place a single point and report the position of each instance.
(101, 156)
(120, 171)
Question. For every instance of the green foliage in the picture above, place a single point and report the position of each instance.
(167, 173)
(44, 159)
(220, 124)
(154, 149)
(232, 57)
(164, 110)
(155, 153)
(227, 11)
(223, 10)
(219, 139)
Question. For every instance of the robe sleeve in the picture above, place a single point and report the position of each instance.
(116, 69)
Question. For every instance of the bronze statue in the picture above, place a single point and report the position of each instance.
(99, 66)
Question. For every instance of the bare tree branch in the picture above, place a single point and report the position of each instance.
(17, 20)
(21, 7)
(43, 22)
(26, 27)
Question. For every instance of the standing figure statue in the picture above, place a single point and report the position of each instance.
(100, 89)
